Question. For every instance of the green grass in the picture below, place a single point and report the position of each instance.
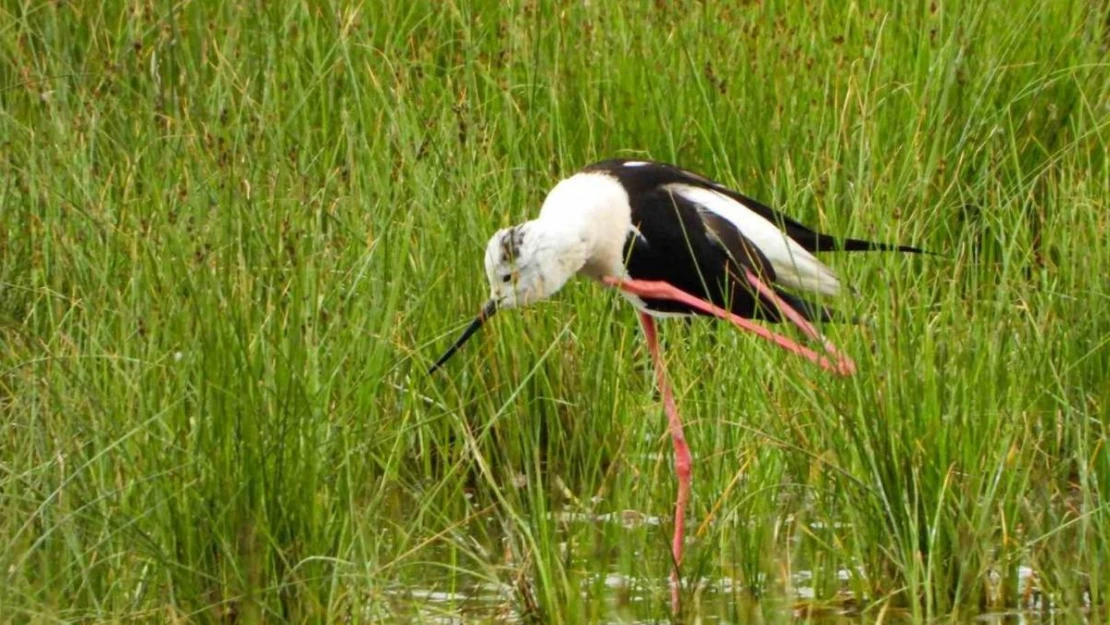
(234, 235)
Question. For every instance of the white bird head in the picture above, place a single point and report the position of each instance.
(525, 264)
(528, 263)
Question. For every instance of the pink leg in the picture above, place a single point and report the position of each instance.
(662, 290)
(844, 365)
(683, 463)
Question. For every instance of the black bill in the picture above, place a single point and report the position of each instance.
(488, 309)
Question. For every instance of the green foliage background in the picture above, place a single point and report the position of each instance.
(233, 235)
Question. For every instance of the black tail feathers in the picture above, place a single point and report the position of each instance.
(817, 242)
(859, 245)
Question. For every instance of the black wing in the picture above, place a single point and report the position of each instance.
(641, 176)
(701, 253)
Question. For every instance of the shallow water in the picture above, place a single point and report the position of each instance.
(719, 601)
(713, 600)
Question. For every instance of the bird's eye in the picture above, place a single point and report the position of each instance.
(505, 278)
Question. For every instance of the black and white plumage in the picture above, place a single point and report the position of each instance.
(674, 243)
(652, 221)
(697, 235)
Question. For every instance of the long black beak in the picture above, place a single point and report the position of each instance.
(488, 309)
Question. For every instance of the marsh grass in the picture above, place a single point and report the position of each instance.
(234, 235)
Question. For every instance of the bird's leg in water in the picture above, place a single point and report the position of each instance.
(683, 463)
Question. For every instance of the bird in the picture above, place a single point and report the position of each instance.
(675, 244)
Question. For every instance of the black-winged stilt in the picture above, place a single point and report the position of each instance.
(675, 244)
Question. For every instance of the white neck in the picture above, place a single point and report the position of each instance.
(562, 244)
(592, 210)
